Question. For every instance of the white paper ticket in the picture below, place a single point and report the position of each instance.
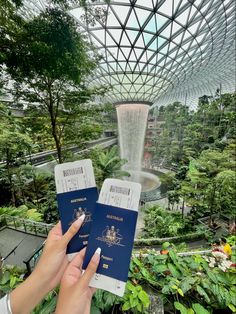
(124, 194)
(72, 176)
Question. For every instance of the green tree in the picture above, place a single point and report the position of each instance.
(202, 186)
(226, 189)
(110, 164)
(50, 62)
(13, 147)
(107, 164)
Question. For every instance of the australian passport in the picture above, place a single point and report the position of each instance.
(76, 195)
(113, 230)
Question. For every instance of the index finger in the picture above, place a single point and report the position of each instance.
(71, 232)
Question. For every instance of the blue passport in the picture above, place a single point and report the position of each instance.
(112, 230)
(71, 206)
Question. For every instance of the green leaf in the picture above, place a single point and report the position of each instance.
(187, 283)
(145, 273)
(173, 270)
(139, 308)
(199, 309)
(126, 306)
(232, 307)
(179, 306)
(165, 289)
(161, 257)
(180, 292)
(144, 298)
(13, 281)
(212, 276)
(109, 300)
(160, 268)
(94, 310)
(48, 307)
(173, 256)
(5, 278)
(203, 293)
(133, 302)
(130, 287)
(174, 287)
(137, 261)
(165, 245)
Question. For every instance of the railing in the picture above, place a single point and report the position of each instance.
(42, 157)
(32, 259)
(25, 225)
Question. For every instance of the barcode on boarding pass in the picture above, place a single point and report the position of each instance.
(72, 171)
(121, 190)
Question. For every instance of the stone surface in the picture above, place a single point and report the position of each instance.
(156, 306)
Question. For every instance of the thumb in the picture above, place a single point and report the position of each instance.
(91, 268)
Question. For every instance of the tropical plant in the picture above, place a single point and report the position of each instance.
(161, 223)
(209, 183)
(14, 145)
(186, 283)
(135, 299)
(11, 277)
(107, 164)
(22, 211)
(48, 304)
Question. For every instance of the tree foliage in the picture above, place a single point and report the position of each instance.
(50, 61)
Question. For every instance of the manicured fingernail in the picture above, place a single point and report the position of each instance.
(98, 251)
(80, 220)
(96, 256)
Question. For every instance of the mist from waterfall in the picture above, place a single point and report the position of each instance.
(132, 121)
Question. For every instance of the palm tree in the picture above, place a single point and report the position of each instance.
(110, 164)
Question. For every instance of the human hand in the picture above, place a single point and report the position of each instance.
(48, 271)
(75, 294)
(53, 260)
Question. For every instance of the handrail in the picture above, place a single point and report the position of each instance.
(33, 258)
(26, 225)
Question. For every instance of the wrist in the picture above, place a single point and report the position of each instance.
(40, 281)
(33, 289)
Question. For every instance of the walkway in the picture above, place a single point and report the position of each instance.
(9, 239)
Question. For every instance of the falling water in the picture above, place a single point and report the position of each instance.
(132, 120)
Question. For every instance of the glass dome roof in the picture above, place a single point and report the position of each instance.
(162, 51)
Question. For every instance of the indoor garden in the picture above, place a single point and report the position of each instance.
(146, 90)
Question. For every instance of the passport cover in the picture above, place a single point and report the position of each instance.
(112, 230)
(73, 204)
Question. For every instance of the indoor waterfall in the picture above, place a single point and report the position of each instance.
(132, 120)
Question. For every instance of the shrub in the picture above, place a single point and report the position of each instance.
(161, 223)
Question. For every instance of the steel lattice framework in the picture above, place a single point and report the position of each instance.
(161, 51)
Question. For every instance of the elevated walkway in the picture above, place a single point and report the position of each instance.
(43, 158)
(20, 238)
(19, 245)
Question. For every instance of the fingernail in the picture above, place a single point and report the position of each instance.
(98, 251)
(79, 220)
(96, 256)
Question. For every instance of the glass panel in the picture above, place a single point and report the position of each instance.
(132, 21)
(166, 8)
(161, 20)
(124, 40)
(121, 12)
(142, 15)
(151, 26)
(147, 37)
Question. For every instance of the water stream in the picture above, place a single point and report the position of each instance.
(132, 121)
